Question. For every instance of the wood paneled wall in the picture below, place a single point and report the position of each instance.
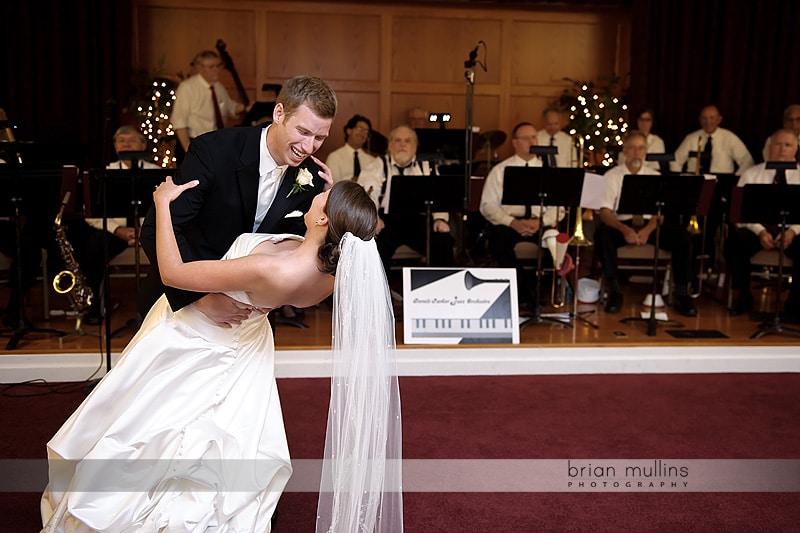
(383, 60)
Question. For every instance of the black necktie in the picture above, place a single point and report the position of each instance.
(705, 159)
(217, 113)
(780, 176)
(356, 165)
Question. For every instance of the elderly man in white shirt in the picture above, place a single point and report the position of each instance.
(410, 229)
(617, 230)
(552, 135)
(201, 102)
(791, 121)
(748, 239)
(511, 224)
(727, 152)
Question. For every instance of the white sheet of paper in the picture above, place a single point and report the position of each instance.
(594, 188)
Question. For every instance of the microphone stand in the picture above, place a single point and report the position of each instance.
(469, 101)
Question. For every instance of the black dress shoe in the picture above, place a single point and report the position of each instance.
(743, 306)
(684, 305)
(613, 302)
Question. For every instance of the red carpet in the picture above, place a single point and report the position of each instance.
(728, 416)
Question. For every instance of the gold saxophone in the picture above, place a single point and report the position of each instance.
(76, 288)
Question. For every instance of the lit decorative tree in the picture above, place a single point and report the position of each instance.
(153, 116)
(597, 115)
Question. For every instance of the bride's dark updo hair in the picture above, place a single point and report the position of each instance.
(349, 208)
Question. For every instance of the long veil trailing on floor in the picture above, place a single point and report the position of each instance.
(361, 486)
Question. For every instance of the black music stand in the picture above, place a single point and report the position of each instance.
(663, 161)
(33, 191)
(546, 187)
(413, 195)
(549, 153)
(670, 194)
(771, 204)
(124, 193)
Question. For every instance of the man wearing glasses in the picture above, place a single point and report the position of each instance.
(201, 102)
(347, 161)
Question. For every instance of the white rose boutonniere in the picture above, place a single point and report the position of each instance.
(303, 180)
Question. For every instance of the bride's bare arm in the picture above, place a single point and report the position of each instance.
(241, 274)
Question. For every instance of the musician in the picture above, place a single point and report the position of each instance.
(722, 151)
(791, 121)
(201, 102)
(618, 229)
(396, 229)
(85, 235)
(655, 144)
(418, 118)
(342, 161)
(552, 135)
(511, 224)
(747, 239)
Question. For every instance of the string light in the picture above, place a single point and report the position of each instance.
(155, 124)
(598, 116)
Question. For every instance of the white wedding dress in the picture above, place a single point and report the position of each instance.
(184, 434)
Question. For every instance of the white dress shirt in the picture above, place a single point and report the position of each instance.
(270, 175)
(372, 179)
(501, 214)
(193, 108)
(340, 161)
(726, 149)
(563, 142)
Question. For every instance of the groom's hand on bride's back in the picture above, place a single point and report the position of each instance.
(224, 310)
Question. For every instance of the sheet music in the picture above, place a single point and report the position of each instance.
(594, 188)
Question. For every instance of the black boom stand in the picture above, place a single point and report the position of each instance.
(772, 204)
(671, 194)
(33, 191)
(543, 187)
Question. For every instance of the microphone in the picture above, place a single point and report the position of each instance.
(469, 63)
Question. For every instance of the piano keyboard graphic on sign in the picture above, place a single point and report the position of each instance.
(462, 327)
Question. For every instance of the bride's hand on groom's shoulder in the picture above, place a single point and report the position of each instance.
(167, 191)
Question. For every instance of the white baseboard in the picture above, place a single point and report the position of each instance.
(467, 361)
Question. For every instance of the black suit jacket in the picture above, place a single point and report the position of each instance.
(209, 217)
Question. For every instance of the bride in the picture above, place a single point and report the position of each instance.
(186, 432)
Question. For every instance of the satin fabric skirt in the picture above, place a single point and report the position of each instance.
(184, 434)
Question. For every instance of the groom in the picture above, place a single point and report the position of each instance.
(250, 181)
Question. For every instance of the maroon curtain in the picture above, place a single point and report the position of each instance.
(742, 56)
(64, 61)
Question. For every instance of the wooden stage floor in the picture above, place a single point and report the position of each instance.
(611, 332)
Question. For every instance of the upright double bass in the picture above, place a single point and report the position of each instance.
(226, 59)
